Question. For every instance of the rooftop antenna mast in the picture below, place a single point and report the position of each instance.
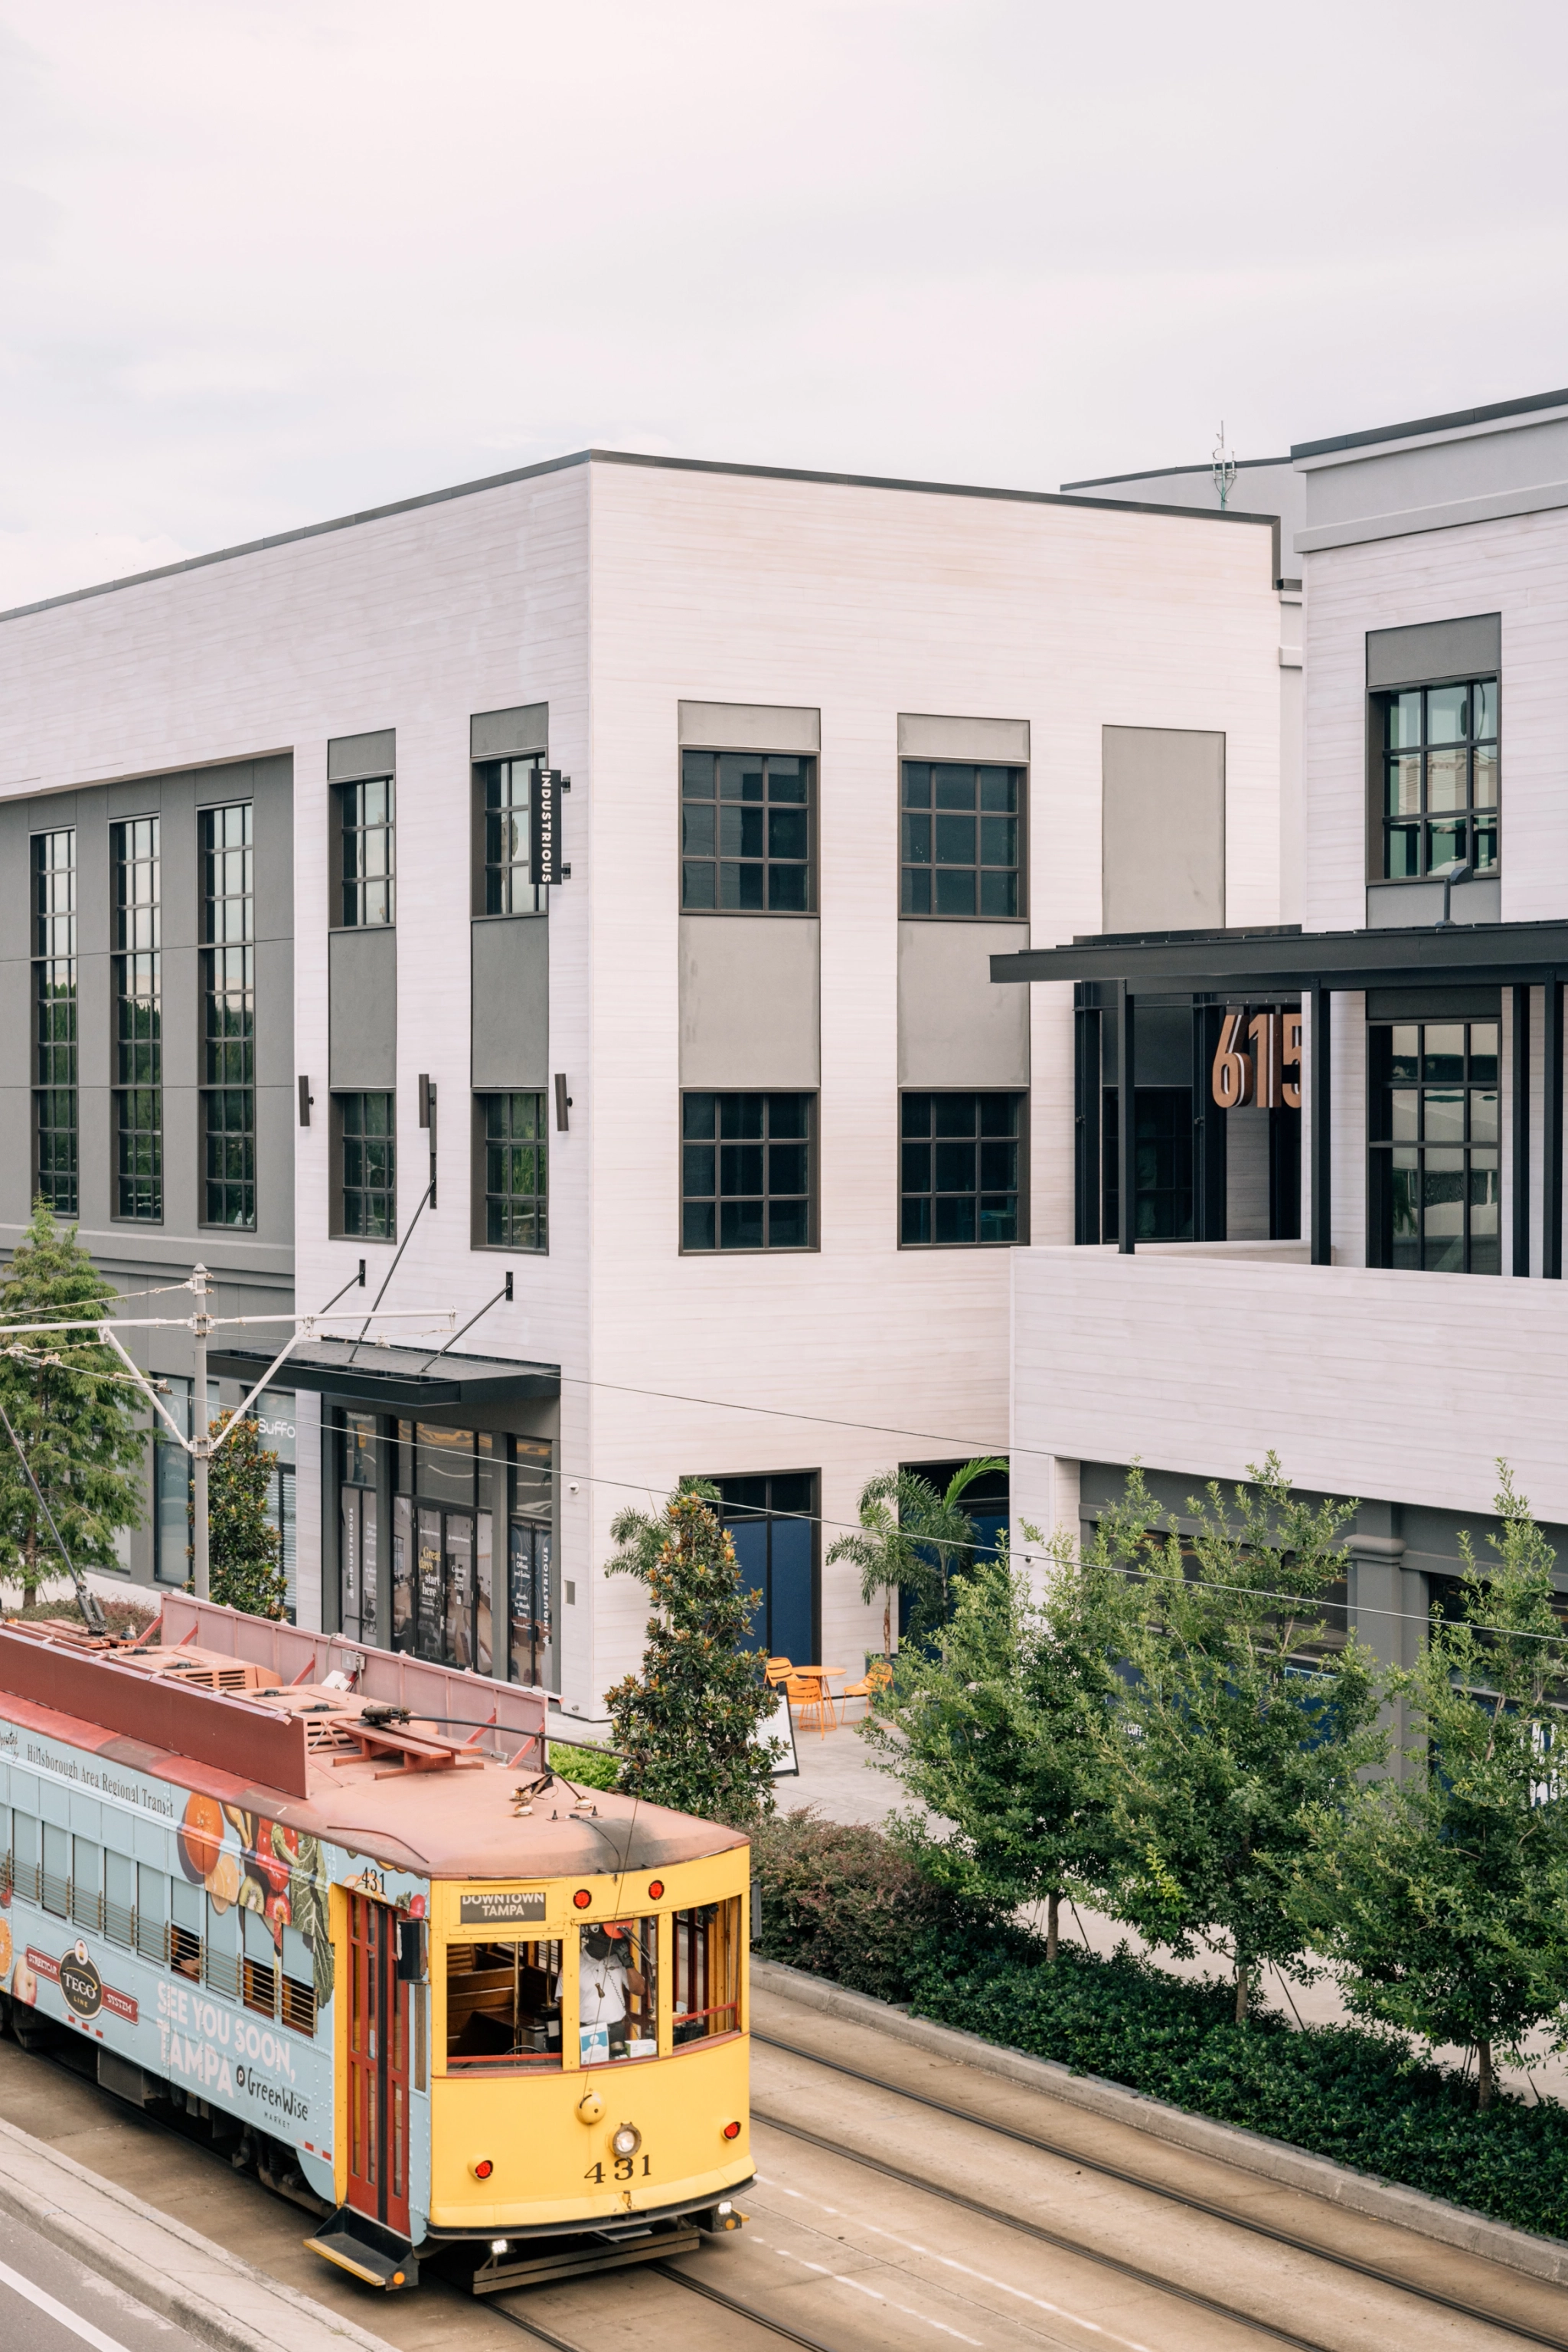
(1224, 465)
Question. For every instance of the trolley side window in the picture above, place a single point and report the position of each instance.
(185, 1924)
(25, 1873)
(7, 1854)
(618, 1991)
(706, 1995)
(503, 2004)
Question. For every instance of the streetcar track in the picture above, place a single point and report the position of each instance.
(697, 2286)
(1037, 2230)
(1460, 2309)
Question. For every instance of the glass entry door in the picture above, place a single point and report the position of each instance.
(442, 1602)
(529, 1578)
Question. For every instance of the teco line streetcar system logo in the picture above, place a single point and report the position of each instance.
(1239, 1076)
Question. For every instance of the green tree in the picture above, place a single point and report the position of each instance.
(1444, 1898)
(1004, 1735)
(245, 1551)
(883, 1547)
(75, 1410)
(686, 1726)
(1233, 1738)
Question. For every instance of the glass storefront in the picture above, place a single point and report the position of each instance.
(273, 1412)
(443, 1492)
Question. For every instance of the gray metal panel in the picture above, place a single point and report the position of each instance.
(1434, 1003)
(508, 734)
(275, 1112)
(1412, 906)
(954, 1028)
(362, 1009)
(16, 1015)
(511, 1018)
(1467, 649)
(1163, 828)
(273, 835)
(923, 737)
(350, 757)
(750, 993)
(751, 726)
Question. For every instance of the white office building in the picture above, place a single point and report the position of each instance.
(1418, 1328)
(733, 1104)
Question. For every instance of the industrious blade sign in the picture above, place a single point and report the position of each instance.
(1258, 1060)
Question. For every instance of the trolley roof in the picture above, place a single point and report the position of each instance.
(417, 1784)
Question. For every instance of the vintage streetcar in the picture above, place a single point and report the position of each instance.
(331, 1909)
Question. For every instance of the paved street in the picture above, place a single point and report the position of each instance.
(51, 2302)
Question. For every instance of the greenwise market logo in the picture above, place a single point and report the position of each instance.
(80, 1982)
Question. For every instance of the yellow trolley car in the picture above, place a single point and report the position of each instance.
(331, 1908)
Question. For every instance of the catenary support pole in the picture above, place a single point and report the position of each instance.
(201, 1441)
(1520, 1083)
(1551, 1133)
(1126, 1122)
(1322, 1144)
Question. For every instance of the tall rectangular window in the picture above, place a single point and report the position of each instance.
(1434, 1178)
(366, 813)
(228, 1017)
(506, 789)
(367, 1145)
(514, 1137)
(138, 987)
(55, 1021)
(958, 1169)
(1439, 779)
(962, 839)
(746, 832)
(747, 1177)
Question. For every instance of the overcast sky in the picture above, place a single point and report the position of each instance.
(266, 264)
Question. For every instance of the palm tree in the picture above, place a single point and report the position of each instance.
(910, 1533)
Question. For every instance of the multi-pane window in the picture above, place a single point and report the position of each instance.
(1440, 779)
(228, 1016)
(367, 1141)
(958, 1169)
(55, 1021)
(745, 833)
(366, 811)
(746, 1172)
(1433, 1145)
(516, 1173)
(960, 839)
(138, 986)
(507, 788)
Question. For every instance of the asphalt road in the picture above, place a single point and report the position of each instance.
(49, 2302)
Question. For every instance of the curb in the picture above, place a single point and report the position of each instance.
(189, 2279)
(1270, 2159)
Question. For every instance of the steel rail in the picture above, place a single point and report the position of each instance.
(1173, 2196)
(677, 2278)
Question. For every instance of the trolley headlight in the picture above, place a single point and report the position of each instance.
(482, 2167)
(498, 2245)
(626, 2141)
(732, 2131)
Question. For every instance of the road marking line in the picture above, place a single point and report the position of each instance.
(58, 2311)
(1057, 2310)
(839, 2280)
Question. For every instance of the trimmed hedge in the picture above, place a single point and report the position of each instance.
(845, 1903)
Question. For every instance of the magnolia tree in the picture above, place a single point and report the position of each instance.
(1444, 1898)
(687, 1724)
(75, 1410)
(245, 1549)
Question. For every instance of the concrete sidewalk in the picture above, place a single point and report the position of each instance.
(213, 2295)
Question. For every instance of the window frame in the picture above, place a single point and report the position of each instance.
(50, 994)
(812, 1097)
(341, 883)
(1380, 1147)
(810, 911)
(480, 909)
(121, 957)
(1020, 1096)
(339, 1230)
(1022, 769)
(480, 1166)
(1377, 821)
(213, 954)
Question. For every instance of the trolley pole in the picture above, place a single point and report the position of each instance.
(201, 1440)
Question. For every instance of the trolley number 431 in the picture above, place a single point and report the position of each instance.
(624, 2168)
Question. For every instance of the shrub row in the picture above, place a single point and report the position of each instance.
(846, 1904)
